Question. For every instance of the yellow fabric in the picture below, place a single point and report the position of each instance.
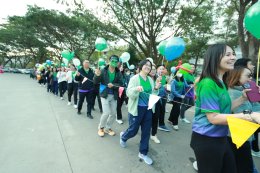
(241, 130)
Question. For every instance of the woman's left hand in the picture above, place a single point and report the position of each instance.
(244, 95)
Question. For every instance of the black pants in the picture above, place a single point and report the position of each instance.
(243, 157)
(255, 146)
(175, 112)
(73, 89)
(213, 154)
(158, 116)
(96, 95)
(187, 103)
(89, 99)
(62, 88)
(120, 102)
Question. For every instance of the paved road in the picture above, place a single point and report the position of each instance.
(39, 133)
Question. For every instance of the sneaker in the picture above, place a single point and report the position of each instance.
(62, 98)
(163, 128)
(255, 154)
(119, 121)
(69, 103)
(145, 158)
(155, 139)
(78, 112)
(110, 132)
(185, 120)
(122, 143)
(75, 106)
(195, 166)
(90, 116)
(168, 121)
(101, 132)
(175, 127)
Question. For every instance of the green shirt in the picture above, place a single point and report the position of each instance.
(144, 96)
(86, 70)
(163, 81)
(111, 76)
(210, 98)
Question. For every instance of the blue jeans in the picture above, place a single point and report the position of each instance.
(143, 119)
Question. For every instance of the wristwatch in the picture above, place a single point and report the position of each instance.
(247, 111)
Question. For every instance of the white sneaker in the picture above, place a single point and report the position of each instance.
(145, 158)
(62, 98)
(155, 139)
(185, 120)
(69, 103)
(119, 121)
(175, 127)
(255, 154)
(75, 106)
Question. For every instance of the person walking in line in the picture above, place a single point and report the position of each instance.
(48, 79)
(110, 79)
(120, 100)
(189, 98)
(178, 88)
(86, 87)
(138, 91)
(54, 81)
(247, 63)
(61, 75)
(236, 80)
(72, 88)
(161, 104)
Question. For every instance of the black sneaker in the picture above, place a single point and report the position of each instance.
(78, 112)
(90, 116)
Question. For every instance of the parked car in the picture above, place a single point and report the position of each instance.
(6, 69)
(1, 70)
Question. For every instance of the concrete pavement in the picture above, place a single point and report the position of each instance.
(39, 133)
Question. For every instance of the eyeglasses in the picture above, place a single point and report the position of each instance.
(249, 75)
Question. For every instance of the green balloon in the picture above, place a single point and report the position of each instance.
(100, 44)
(101, 62)
(161, 47)
(252, 20)
(67, 55)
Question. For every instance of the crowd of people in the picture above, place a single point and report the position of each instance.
(218, 92)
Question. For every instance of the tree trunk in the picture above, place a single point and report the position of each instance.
(241, 35)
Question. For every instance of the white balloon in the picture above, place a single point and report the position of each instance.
(125, 57)
(76, 62)
(65, 61)
(131, 67)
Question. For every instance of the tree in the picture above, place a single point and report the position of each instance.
(249, 44)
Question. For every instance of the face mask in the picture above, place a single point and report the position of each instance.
(128, 73)
(179, 75)
(113, 64)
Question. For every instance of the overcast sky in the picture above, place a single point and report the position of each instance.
(19, 7)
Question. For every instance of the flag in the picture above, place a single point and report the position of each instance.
(120, 91)
(240, 130)
(101, 88)
(152, 100)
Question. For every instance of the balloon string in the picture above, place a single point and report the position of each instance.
(181, 103)
(257, 68)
